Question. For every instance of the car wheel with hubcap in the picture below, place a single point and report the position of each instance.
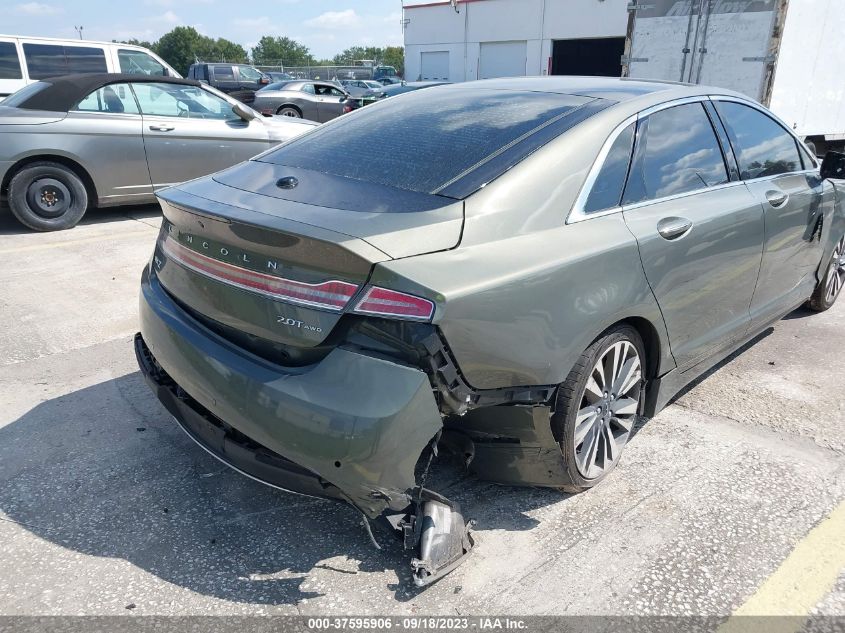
(47, 196)
(597, 406)
(825, 294)
(289, 111)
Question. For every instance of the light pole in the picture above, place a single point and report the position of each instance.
(79, 31)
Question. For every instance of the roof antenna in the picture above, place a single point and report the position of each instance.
(454, 4)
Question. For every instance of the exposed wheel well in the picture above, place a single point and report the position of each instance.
(289, 105)
(71, 164)
(651, 340)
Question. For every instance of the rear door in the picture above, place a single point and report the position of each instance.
(11, 70)
(793, 198)
(223, 77)
(190, 132)
(700, 233)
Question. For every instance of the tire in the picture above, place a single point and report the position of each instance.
(47, 196)
(289, 111)
(610, 414)
(825, 294)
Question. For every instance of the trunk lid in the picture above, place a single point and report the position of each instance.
(275, 270)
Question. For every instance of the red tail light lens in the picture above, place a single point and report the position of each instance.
(330, 295)
(390, 303)
(347, 109)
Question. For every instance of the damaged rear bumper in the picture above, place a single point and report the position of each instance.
(350, 427)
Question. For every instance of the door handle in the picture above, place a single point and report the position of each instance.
(673, 228)
(162, 128)
(777, 198)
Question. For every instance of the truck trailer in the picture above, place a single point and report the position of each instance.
(786, 54)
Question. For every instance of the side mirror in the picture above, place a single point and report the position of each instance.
(833, 165)
(243, 112)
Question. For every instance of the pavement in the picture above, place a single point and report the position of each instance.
(106, 507)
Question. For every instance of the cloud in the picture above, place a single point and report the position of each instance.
(170, 3)
(262, 22)
(336, 20)
(168, 17)
(37, 8)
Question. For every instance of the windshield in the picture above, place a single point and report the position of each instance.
(22, 95)
(435, 137)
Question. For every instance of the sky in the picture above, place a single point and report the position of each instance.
(326, 26)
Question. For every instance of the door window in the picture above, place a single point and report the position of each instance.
(607, 188)
(85, 60)
(178, 100)
(762, 147)
(677, 152)
(115, 99)
(52, 60)
(224, 73)
(139, 63)
(248, 73)
(10, 66)
(309, 88)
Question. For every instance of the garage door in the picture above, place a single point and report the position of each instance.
(434, 65)
(502, 59)
(594, 57)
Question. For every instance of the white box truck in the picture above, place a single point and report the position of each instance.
(787, 54)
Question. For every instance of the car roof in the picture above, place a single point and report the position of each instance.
(62, 93)
(616, 88)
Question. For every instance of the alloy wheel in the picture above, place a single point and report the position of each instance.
(608, 409)
(836, 274)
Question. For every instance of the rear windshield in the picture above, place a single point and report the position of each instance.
(426, 139)
(17, 98)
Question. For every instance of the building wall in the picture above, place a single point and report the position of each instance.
(437, 27)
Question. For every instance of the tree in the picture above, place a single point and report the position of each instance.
(358, 52)
(135, 42)
(394, 56)
(220, 50)
(280, 50)
(180, 47)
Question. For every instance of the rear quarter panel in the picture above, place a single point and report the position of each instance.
(520, 311)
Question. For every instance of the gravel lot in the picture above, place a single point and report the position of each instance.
(105, 503)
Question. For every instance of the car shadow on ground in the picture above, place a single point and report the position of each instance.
(104, 471)
(9, 225)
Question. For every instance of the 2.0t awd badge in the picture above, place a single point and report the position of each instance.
(294, 323)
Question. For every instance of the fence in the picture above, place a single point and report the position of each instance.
(320, 72)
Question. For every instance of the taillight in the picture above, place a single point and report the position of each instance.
(390, 303)
(331, 295)
(347, 109)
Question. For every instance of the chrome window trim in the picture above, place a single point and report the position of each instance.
(644, 203)
(577, 214)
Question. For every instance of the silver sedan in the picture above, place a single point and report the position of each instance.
(102, 140)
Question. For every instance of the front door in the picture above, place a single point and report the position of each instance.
(793, 200)
(190, 132)
(116, 159)
(330, 102)
(700, 234)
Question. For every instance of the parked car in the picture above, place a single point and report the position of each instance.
(385, 75)
(277, 76)
(519, 270)
(25, 60)
(409, 86)
(363, 88)
(314, 100)
(101, 140)
(238, 80)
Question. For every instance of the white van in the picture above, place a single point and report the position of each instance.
(24, 60)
